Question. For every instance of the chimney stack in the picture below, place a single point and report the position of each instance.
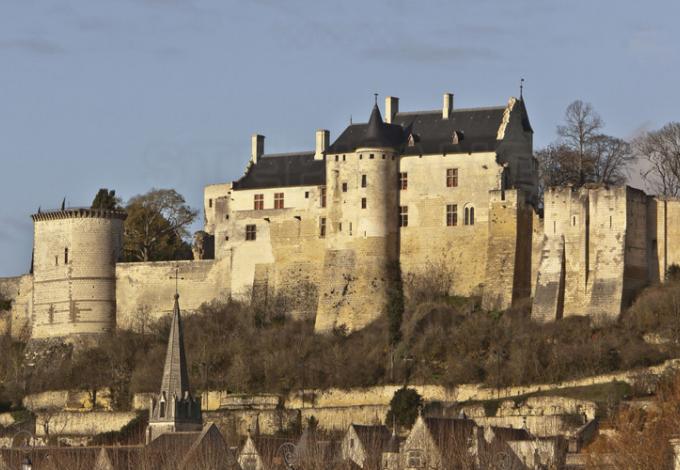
(322, 139)
(256, 148)
(448, 105)
(391, 108)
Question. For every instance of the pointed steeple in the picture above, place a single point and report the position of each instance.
(175, 377)
(174, 409)
(375, 124)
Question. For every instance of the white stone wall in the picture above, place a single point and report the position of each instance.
(145, 291)
(78, 296)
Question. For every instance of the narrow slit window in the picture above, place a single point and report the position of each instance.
(65, 255)
(209, 202)
(364, 181)
(323, 196)
(344, 187)
(469, 216)
(363, 203)
(322, 227)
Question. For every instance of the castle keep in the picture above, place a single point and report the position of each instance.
(450, 192)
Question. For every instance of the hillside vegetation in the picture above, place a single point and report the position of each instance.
(248, 348)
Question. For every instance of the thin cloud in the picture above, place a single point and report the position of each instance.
(428, 53)
(33, 46)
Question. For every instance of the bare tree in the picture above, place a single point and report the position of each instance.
(609, 158)
(581, 125)
(661, 150)
(582, 154)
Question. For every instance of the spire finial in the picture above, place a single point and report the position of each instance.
(177, 278)
(375, 96)
(521, 88)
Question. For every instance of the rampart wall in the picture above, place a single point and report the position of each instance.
(19, 291)
(145, 291)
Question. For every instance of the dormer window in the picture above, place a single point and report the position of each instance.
(411, 140)
(457, 137)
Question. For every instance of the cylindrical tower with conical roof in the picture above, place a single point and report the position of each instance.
(74, 271)
(362, 249)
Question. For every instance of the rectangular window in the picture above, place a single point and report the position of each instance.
(258, 202)
(452, 177)
(363, 181)
(344, 187)
(209, 202)
(306, 194)
(403, 181)
(278, 200)
(251, 232)
(363, 203)
(322, 227)
(65, 255)
(403, 216)
(323, 196)
(451, 215)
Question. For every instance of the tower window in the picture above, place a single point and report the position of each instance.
(452, 177)
(363, 203)
(336, 158)
(251, 232)
(323, 196)
(56, 261)
(209, 202)
(306, 194)
(322, 227)
(278, 200)
(344, 187)
(364, 181)
(258, 202)
(162, 409)
(371, 156)
(343, 158)
(469, 216)
(451, 215)
(65, 255)
(403, 181)
(403, 216)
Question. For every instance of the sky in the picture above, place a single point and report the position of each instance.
(136, 94)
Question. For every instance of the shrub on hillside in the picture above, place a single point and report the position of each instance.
(404, 407)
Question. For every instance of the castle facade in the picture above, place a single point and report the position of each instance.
(450, 192)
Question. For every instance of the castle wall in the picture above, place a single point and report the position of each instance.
(145, 291)
(509, 250)
(663, 235)
(18, 290)
(428, 242)
(362, 242)
(287, 254)
(74, 272)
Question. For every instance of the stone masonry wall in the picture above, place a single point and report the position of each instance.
(17, 320)
(145, 291)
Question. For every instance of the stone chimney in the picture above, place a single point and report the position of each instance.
(256, 148)
(447, 107)
(391, 108)
(322, 138)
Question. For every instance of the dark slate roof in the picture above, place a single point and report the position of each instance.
(375, 133)
(477, 129)
(447, 430)
(175, 380)
(283, 170)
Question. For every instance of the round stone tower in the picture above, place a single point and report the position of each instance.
(74, 271)
(362, 248)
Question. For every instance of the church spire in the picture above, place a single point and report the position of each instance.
(175, 377)
(174, 409)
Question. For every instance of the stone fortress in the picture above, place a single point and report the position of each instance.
(452, 191)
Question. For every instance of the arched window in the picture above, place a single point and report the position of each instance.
(469, 218)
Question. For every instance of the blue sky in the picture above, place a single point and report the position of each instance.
(134, 94)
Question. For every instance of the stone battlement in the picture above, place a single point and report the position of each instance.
(79, 212)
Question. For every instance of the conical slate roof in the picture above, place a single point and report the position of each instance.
(175, 377)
